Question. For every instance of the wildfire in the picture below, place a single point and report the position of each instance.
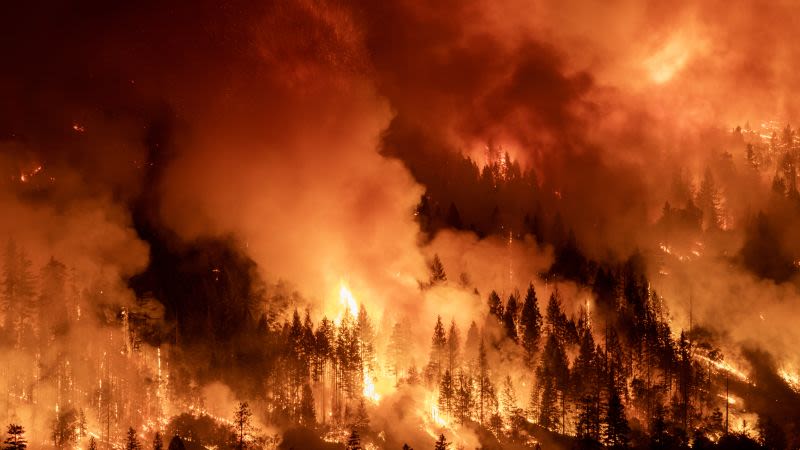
(26, 176)
(347, 300)
(725, 367)
(696, 251)
(791, 377)
(370, 393)
(433, 419)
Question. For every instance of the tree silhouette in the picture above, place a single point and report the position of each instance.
(354, 441)
(176, 443)
(438, 274)
(131, 442)
(158, 444)
(441, 443)
(242, 424)
(15, 439)
(530, 325)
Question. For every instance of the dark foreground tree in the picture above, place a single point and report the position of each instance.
(158, 444)
(15, 439)
(354, 441)
(176, 443)
(131, 442)
(616, 424)
(441, 443)
(241, 421)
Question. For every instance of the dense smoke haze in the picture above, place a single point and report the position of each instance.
(195, 196)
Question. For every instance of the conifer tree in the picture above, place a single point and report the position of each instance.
(307, 414)
(441, 443)
(495, 306)
(530, 326)
(242, 424)
(453, 347)
(438, 275)
(510, 318)
(555, 318)
(438, 353)
(131, 442)
(15, 438)
(354, 441)
(446, 393)
(487, 398)
(616, 430)
(158, 444)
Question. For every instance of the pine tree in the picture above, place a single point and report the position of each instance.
(92, 444)
(18, 291)
(441, 443)
(412, 377)
(242, 424)
(495, 306)
(554, 377)
(548, 406)
(15, 439)
(446, 393)
(307, 414)
(616, 431)
(555, 318)
(472, 343)
(510, 318)
(64, 428)
(399, 343)
(530, 326)
(438, 276)
(158, 444)
(585, 367)
(131, 442)
(487, 399)
(438, 353)
(406, 447)
(588, 428)
(660, 438)
(464, 401)
(366, 339)
(361, 419)
(354, 441)
(509, 398)
(453, 347)
(708, 201)
(82, 426)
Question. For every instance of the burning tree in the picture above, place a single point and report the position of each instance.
(65, 426)
(242, 424)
